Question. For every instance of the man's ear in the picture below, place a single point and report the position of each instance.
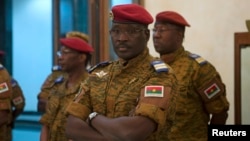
(147, 32)
(83, 57)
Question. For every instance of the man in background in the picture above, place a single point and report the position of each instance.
(17, 103)
(203, 92)
(50, 81)
(74, 57)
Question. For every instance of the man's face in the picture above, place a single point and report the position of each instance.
(166, 38)
(129, 40)
(70, 59)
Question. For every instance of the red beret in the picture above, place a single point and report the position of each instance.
(130, 13)
(76, 44)
(172, 17)
(2, 53)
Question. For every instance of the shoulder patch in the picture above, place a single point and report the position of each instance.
(159, 66)
(198, 59)
(212, 89)
(56, 68)
(102, 64)
(59, 79)
(13, 82)
(17, 100)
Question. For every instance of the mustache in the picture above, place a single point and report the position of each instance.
(119, 45)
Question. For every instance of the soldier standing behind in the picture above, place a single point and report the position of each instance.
(5, 104)
(17, 103)
(50, 81)
(203, 92)
(74, 56)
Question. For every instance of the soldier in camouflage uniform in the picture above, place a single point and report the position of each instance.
(125, 99)
(74, 56)
(47, 87)
(50, 81)
(203, 92)
(17, 103)
(5, 104)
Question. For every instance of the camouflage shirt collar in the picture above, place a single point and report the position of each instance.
(169, 58)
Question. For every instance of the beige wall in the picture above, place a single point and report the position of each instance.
(211, 35)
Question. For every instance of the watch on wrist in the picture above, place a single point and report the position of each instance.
(92, 116)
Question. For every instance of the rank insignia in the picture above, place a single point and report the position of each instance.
(198, 59)
(101, 74)
(56, 68)
(59, 79)
(154, 91)
(13, 82)
(159, 66)
(3, 87)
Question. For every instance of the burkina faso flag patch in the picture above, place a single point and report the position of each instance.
(154, 91)
(3, 87)
(212, 90)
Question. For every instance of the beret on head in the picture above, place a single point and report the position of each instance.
(130, 13)
(2, 53)
(78, 35)
(76, 44)
(172, 17)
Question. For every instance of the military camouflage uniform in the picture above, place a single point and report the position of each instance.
(58, 99)
(47, 87)
(5, 102)
(203, 93)
(17, 103)
(118, 88)
(18, 99)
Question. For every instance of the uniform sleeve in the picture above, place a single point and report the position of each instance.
(47, 85)
(5, 90)
(212, 90)
(18, 100)
(80, 106)
(157, 99)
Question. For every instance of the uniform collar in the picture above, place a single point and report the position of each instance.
(169, 58)
(134, 61)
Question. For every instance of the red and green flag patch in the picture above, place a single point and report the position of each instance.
(212, 90)
(3, 87)
(154, 91)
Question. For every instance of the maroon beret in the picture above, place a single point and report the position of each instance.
(2, 53)
(172, 17)
(76, 44)
(130, 13)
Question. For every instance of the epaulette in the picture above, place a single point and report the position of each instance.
(56, 68)
(59, 79)
(13, 82)
(198, 58)
(102, 64)
(159, 66)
